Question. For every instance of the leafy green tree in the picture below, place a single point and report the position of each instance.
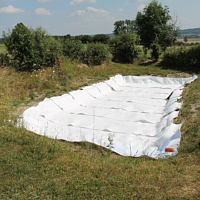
(19, 44)
(84, 38)
(101, 38)
(56, 37)
(185, 38)
(31, 49)
(52, 51)
(124, 48)
(121, 27)
(96, 54)
(72, 49)
(130, 26)
(68, 36)
(156, 51)
(4, 59)
(153, 26)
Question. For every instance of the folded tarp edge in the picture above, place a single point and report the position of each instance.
(127, 129)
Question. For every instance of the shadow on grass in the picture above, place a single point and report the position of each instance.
(106, 151)
(148, 63)
(186, 69)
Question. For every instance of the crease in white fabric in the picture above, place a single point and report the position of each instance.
(137, 111)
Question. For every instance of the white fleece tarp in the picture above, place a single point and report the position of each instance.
(132, 115)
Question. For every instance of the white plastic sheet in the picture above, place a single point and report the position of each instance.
(132, 115)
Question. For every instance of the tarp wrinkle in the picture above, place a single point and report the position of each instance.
(134, 113)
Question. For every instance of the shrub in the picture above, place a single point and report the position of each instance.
(124, 49)
(52, 52)
(84, 38)
(19, 44)
(46, 49)
(96, 54)
(183, 58)
(4, 59)
(101, 38)
(31, 49)
(72, 49)
(156, 51)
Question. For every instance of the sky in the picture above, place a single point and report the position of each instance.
(80, 17)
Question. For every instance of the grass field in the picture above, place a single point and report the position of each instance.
(194, 39)
(36, 167)
(190, 40)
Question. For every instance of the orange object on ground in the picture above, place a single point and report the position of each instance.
(169, 149)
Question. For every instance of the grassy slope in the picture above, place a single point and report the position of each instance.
(36, 167)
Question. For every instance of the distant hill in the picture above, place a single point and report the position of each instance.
(193, 31)
(111, 35)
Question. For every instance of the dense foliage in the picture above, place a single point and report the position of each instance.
(72, 49)
(31, 49)
(124, 48)
(183, 58)
(96, 54)
(19, 45)
(127, 26)
(84, 38)
(4, 59)
(153, 26)
(101, 38)
(156, 51)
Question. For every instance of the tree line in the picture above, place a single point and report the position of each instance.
(98, 38)
(153, 26)
(30, 49)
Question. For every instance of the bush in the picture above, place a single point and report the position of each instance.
(84, 38)
(101, 38)
(72, 49)
(183, 58)
(31, 49)
(46, 49)
(96, 54)
(53, 51)
(124, 49)
(156, 51)
(4, 59)
(19, 44)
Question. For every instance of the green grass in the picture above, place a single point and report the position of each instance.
(194, 39)
(36, 167)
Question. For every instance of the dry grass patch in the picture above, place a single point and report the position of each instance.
(36, 167)
(190, 40)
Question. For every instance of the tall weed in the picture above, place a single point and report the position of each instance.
(5, 101)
